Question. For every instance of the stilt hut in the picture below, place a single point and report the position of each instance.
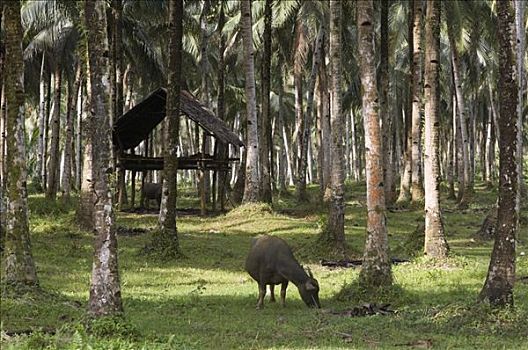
(135, 126)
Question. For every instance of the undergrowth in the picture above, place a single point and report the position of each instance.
(207, 300)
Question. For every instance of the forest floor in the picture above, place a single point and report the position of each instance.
(207, 301)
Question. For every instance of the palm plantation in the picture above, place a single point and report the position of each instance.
(144, 144)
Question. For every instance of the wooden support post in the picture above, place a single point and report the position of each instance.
(133, 190)
(203, 209)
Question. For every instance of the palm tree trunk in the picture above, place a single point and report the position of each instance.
(265, 124)
(251, 190)
(78, 136)
(435, 242)
(222, 148)
(376, 267)
(406, 177)
(324, 115)
(41, 161)
(105, 289)
(307, 118)
(279, 125)
(168, 241)
(384, 104)
(335, 231)
(18, 260)
(53, 173)
(520, 35)
(417, 193)
(73, 92)
(466, 186)
(498, 288)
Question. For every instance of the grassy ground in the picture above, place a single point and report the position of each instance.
(207, 301)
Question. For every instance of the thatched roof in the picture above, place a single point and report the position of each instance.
(135, 125)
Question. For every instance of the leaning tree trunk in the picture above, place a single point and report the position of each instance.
(435, 242)
(335, 231)
(18, 261)
(498, 288)
(251, 190)
(417, 193)
(168, 241)
(376, 267)
(105, 289)
(384, 104)
(265, 124)
(54, 163)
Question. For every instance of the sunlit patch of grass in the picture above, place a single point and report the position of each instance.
(207, 301)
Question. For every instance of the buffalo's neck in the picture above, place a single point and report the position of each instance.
(293, 272)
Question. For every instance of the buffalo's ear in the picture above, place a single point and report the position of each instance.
(310, 286)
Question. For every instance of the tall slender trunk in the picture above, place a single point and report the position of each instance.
(325, 126)
(73, 92)
(282, 157)
(19, 267)
(376, 267)
(435, 242)
(417, 193)
(78, 136)
(490, 149)
(520, 34)
(251, 190)
(222, 148)
(49, 113)
(336, 220)
(265, 124)
(384, 104)
(41, 161)
(466, 186)
(168, 240)
(53, 173)
(307, 118)
(406, 177)
(498, 287)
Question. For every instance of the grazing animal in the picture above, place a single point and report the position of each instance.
(151, 191)
(270, 262)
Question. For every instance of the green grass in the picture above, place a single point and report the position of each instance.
(207, 301)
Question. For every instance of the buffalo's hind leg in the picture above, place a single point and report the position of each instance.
(262, 293)
(272, 293)
(284, 286)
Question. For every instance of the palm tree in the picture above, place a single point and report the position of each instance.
(376, 268)
(520, 36)
(466, 189)
(417, 193)
(265, 124)
(251, 190)
(406, 176)
(105, 289)
(336, 221)
(498, 288)
(18, 260)
(384, 106)
(435, 243)
(167, 216)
